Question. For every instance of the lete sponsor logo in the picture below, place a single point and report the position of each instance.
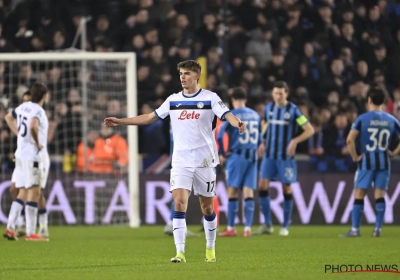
(102, 200)
(185, 115)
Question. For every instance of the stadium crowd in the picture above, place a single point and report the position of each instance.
(329, 52)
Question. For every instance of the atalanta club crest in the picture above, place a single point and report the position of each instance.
(200, 105)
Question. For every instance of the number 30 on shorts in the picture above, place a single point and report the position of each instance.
(211, 186)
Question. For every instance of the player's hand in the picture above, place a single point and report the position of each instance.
(109, 122)
(358, 158)
(261, 150)
(242, 127)
(291, 150)
(222, 160)
(392, 153)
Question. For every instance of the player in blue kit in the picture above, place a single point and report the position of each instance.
(283, 119)
(376, 129)
(241, 162)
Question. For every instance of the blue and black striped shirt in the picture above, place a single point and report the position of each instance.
(376, 130)
(283, 123)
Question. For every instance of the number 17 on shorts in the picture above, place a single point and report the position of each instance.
(202, 180)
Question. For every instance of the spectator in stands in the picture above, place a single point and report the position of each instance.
(335, 137)
(110, 153)
(85, 156)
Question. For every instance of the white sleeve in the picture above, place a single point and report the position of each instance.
(40, 114)
(163, 111)
(218, 107)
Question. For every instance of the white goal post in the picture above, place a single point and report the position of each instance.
(131, 99)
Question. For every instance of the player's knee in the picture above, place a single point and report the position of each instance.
(232, 192)
(287, 189)
(34, 194)
(248, 192)
(263, 185)
(13, 191)
(180, 205)
(359, 193)
(207, 210)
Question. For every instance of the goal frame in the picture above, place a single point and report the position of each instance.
(131, 94)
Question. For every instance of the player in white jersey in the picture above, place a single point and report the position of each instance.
(31, 160)
(193, 113)
(43, 230)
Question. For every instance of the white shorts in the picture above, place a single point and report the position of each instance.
(31, 173)
(201, 179)
(14, 174)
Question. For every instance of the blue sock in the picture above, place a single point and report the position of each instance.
(233, 206)
(380, 208)
(249, 211)
(211, 217)
(265, 206)
(179, 215)
(287, 209)
(172, 210)
(356, 214)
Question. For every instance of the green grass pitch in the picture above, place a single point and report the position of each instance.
(144, 253)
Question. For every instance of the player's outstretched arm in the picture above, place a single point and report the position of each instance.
(235, 122)
(138, 120)
(351, 145)
(12, 123)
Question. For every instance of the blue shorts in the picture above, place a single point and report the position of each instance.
(241, 172)
(286, 170)
(364, 178)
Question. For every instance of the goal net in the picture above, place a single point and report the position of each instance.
(94, 169)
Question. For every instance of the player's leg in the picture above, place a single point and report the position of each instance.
(268, 172)
(381, 181)
(234, 171)
(15, 211)
(248, 194)
(362, 182)
(181, 186)
(204, 184)
(233, 206)
(14, 193)
(168, 227)
(288, 175)
(43, 217)
(19, 198)
(33, 179)
(250, 184)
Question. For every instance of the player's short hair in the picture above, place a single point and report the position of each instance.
(377, 96)
(27, 93)
(38, 90)
(191, 65)
(281, 84)
(239, 94)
